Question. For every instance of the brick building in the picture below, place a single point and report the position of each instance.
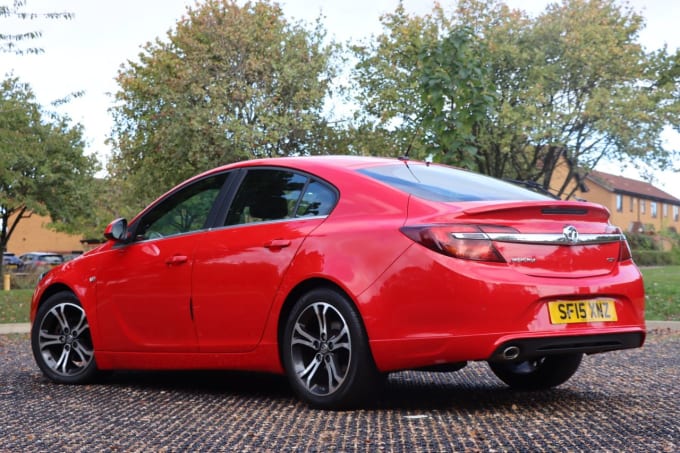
(33, 235)
(635, 206)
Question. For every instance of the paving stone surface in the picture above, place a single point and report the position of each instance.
(621, 401)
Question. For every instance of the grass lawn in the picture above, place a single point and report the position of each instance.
(662, 286)
(14, 305)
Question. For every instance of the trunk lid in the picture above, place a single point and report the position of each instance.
(549, 238)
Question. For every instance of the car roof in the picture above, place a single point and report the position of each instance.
(313, 163)
(42, 253)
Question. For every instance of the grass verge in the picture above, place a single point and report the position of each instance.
(15, 305)
(662, 288)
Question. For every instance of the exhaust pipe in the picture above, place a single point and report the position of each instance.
(510, 353)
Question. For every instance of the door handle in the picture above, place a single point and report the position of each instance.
(176, 259)
(277, 244)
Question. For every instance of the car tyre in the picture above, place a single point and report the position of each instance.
(62, 342)
(325, 351)
(539, 373)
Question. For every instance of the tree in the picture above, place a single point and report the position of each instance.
(422, 87)
(457, 94)
(44, 169)
(230, 83)
(386, 86)
(571, 84)
(13, 42)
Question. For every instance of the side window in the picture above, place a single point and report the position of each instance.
(184, 211)
(266, 194)
(318, 200)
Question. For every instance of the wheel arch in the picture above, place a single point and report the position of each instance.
(52, 290)
(302, 288)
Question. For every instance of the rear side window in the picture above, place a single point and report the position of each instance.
(439, 183)
(271, 194)
(318, 200)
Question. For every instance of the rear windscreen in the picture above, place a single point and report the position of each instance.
(439, 183)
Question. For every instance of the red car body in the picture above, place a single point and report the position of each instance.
(434, 283)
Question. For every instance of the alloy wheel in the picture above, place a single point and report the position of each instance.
(64, 340)
(321, 348)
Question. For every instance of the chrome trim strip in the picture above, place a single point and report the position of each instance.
(545, 239)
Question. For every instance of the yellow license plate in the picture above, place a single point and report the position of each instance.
(574, 311)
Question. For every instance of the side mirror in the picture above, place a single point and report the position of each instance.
(116, 230)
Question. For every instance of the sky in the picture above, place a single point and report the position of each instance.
(85, 53)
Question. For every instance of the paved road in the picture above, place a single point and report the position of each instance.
(621, 401)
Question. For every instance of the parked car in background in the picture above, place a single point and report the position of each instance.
(40, 261)
(11, 262)
(336, 270)
(71, 256)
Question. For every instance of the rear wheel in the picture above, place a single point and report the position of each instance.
(539, 373)
(325, 351)
(61, 340)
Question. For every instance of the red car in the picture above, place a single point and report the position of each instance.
(339, 270)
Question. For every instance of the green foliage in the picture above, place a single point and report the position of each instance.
(387, 87)
(638, 241)
(647, 249)
(14, 42)
(572, 82)
(457, 95)
(230, 83)
(43, 167)
(653, 258)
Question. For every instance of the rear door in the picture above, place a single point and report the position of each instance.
(238, 268)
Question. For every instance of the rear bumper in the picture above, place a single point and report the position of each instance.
(412, 353)
(528, 348)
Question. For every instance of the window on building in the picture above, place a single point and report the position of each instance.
(675, 213)
(642, 206)
(664, 209)
(632, 204)
(619, 202)
(652, 208)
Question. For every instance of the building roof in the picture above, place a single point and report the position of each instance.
(641, 189)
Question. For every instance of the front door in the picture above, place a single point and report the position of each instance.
(144, 286)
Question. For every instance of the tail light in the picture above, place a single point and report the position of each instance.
(624, 249)
(468, 242)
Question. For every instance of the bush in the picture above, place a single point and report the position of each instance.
(24, 280)
(653, 258)
(639, 241)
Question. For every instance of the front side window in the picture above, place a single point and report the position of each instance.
(652, 207)
(184, 211)
(619, 202)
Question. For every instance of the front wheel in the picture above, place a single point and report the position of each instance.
(325, 351)
(539, 373)
(61, 340)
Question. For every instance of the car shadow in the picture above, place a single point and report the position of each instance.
(413, 391)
